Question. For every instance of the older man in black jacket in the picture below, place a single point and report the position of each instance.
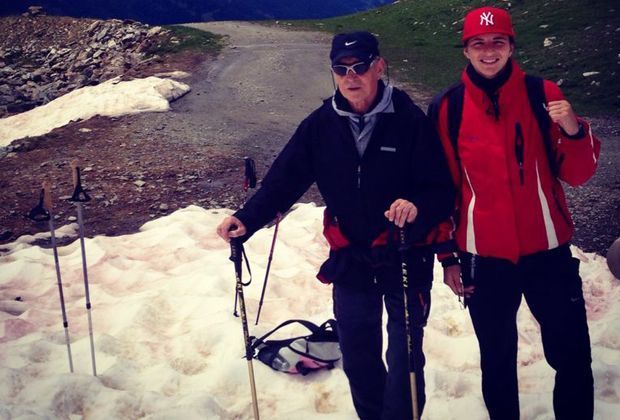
(377, 162)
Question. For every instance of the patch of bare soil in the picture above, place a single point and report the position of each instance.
(130, 173)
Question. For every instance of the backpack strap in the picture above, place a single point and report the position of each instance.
(538, 102)
(327, 331)
(455, 95)
(309, 325)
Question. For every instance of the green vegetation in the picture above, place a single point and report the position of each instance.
(421, 40)
(182, 38)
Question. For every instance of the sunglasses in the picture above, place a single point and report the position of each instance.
(358, 68)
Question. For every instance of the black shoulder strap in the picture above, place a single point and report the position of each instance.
(538, 102)
(312, 327)
(536, 94)
(328, 331)
(455, 114)
(455, 95)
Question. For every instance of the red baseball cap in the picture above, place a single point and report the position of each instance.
(487, 20)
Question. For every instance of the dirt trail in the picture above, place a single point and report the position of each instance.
(251, 98)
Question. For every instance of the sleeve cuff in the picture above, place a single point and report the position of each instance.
(450, 261)
(577, 136)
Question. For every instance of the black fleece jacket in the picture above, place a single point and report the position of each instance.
(404, 159)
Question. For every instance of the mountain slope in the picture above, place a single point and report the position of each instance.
(558, 39)
(176, 11)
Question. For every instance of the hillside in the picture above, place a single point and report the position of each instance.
(563, 40)
(181, 11)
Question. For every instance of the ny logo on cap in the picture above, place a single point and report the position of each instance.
(486, 18)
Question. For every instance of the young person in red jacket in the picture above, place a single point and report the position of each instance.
(511, 226)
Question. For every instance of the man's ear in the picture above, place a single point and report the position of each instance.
(380, 65)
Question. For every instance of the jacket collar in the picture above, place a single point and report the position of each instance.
(490, 86)
(515, 76)
(383, 102)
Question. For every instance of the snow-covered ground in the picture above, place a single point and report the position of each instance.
(111, 98)
(168, 346)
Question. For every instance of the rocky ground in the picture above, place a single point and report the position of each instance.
(245, 102)
(144, 166)
(595, 206)
(44, 57)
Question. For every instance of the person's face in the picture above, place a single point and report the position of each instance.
(359, 88)
(488, 53)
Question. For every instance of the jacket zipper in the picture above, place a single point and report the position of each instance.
(519, 150)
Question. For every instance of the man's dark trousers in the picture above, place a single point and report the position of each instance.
(379, 393)
(551, 285)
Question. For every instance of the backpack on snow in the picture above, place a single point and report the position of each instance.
(302, 354)
(538, 102)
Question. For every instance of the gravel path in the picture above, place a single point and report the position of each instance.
(249, 100)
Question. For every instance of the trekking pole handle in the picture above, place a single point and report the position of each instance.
(75, 171)
(234, 251)
(79, 195)
(40, 212)
(235, 246)
(47, 195)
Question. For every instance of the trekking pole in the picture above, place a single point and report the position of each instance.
(412, 380)
(249, 181)
(40, 213)
(80, 196)
(236, 253)
(273, 244)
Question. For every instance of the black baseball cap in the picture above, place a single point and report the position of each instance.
(362, 45)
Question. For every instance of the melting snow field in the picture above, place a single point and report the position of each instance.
(110, 98)
(168, 346)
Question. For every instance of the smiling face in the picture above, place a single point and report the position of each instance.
(360, 89)
(488, 53)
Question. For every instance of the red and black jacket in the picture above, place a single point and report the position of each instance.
(510, 203)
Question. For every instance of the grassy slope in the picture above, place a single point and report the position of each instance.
(183, 38)
(421, 39)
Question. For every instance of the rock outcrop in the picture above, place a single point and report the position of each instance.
(43, 57)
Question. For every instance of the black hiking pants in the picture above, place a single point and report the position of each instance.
(551, 285)
(379, 393)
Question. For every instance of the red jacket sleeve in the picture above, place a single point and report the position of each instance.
(576, 158)
(442, 240)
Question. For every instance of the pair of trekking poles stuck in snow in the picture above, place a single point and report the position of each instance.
(43, 212)
(236, 256)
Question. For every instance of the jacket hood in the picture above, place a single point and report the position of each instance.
(384, 105)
